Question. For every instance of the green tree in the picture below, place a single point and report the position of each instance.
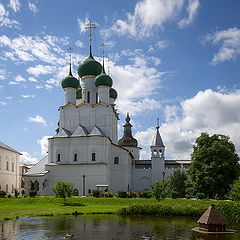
(160, 189)
(214, 165)
(234, 193)
(177, 184)
(63, 189)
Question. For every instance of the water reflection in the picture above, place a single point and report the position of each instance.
(105, 227)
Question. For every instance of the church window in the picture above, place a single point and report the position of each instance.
(6, 188)
(88, 97)
(75, 157)
(12, 166)
(7, 166)
(58, 157)
(116, 160)
(93, 156)
(96, 97)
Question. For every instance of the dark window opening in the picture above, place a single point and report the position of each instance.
(88, 97)
(116, 160)
(96, 97)
(93, 156)
(58, 157)
(75, 157)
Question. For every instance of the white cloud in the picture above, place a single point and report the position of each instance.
(37, 119)
(5, 21)
(26, 158)
(162, 44)
(149, 14)
(79, 43)
(208, 111)
(28, 96)
(41, 70)
(229, 41)
(19, 78)
(43, 142)
(82, 24)
(32, 79)
(2, 74)
(32, 7)
(12, 83)
(2, 103)
(192, 9)
(15, 5)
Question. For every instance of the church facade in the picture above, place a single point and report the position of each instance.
(86, 149)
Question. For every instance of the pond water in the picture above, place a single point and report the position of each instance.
(104, 227)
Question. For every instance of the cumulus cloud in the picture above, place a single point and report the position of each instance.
(41, 70)
(229, 41)
(149, 14)
(2, 103)
(15, 5)
(37, 119)
(192, 9)
(27, 159)
(43, 142)
(2, 74)
(208, 111)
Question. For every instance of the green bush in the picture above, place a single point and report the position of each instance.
(107, 194)
(63, 189)
(160, 189)
(122, 194)
(145, 194)
(234, 193)
(133, 194)
(200, 195)
(9, 195)
(2, 194)
(32, 193)
(96, 193)
(16, 193)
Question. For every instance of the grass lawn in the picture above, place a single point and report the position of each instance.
(19, 207)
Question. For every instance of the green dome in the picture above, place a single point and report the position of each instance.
(70, 82)
(103, 80)
(113, 93)
(79, 93)
(89, 67)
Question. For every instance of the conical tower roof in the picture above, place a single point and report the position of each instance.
(157, 140)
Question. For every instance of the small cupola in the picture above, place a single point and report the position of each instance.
(113, 93)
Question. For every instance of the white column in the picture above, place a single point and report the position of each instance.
(70, 96)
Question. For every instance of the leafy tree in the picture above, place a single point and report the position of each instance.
(160, 189)
(177, 184)
(234, 193)
(214, 165)
(63, 189)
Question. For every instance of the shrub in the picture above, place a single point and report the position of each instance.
(145, 194)
(160, 189)
(200, 195)
(133, 194)
(96, 193)
(234, 193)
(9, 195)
(63, 189)
(33, 193)
(107, 194)
(16, 193)
(122, 194)
(2, 194)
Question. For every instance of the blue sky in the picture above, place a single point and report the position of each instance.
(173, 59)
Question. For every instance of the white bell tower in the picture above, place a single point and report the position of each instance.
(157, 157)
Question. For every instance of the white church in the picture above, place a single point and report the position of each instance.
(86, 149)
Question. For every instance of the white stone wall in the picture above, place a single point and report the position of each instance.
(9, 177)
(103, 94)
(142, 179)
(88, 85)
(87, 115)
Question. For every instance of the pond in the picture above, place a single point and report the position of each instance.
(104, 227)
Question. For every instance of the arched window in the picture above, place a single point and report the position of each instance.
(7, 165)
(116, 160)
(6, 188)
(12, 166)
(58, 157)
(75, 157)
(88, 97)
(93, 156)
(96, 97)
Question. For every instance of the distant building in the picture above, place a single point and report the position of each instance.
(86, 149)
(9, 169)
